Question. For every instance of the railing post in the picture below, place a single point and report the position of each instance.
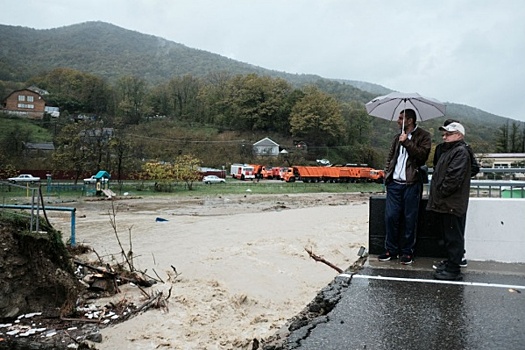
(32, 210)
(73, 218)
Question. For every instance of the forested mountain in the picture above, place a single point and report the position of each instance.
(111, 52)
(164, 99)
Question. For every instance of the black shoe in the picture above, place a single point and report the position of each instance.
(406, 259)
(448, 276)
(387, 256)
(440, 266)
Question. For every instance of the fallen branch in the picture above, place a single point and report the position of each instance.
(319, 259)
(102, 270)
(175, 270)
(98, 256)
(113, 221)
(109, 272)
(88, 320)
(160, 279)
(153, 301)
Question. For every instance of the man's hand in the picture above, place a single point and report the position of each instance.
(403, 137)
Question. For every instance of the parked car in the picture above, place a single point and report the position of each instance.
(90, 180)
(25, 178)
(213, 179)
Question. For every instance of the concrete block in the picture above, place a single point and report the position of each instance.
(495, 230)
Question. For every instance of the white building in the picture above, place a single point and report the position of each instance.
(501, 160)
(266, 147)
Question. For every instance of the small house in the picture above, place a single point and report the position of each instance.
(39, 148)
(29, 103)
(266, 147)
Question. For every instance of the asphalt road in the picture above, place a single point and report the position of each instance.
(391, 306)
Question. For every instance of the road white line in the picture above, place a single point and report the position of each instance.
(420, 280)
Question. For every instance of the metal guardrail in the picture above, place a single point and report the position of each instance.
(36, 207)
(71, 210)
(502, 170)
(500, 188)
(501, 174)
(506, 183)
(493, 188)
(32, 191)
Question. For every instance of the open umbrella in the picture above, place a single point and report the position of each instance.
(389, 106)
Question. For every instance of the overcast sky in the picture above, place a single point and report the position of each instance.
(463, 51)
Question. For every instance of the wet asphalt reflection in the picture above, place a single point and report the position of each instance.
(406, 309)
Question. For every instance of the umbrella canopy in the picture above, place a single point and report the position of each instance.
(389, 106)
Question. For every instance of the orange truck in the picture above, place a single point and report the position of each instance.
(266, 172)
(377, 176)
(304, 174)
(333, 174)
(258, 170)
(367, 174)
(272, 173)
(282, 171)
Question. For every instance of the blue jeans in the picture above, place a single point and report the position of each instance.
(401, 213)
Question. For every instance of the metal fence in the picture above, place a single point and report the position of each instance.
(497, 182)
(497, 188)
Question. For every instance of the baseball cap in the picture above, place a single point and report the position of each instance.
(453, 127)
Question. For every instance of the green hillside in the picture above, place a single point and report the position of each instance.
(14, 128)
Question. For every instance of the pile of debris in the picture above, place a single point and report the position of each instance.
(47, 294)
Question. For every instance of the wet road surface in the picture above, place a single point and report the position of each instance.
(392, 306)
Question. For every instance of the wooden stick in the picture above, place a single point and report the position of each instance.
(319, 259)
(89, 320)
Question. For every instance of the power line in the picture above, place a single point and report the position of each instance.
(186, 141)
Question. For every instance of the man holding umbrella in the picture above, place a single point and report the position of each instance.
(409, 150)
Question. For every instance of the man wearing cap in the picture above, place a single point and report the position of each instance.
(474, 170)
(449, 195)
(474, 166)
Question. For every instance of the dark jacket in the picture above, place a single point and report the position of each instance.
(418, 148)
(450, 185)
(474, 165)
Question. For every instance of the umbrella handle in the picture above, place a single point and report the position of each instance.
(404, 115)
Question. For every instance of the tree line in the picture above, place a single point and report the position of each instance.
(215, 119)
(511, 138)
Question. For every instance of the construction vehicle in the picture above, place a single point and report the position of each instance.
(333, 174)
(272, 173)
(266, 172)
(282, 171)
(304, 174)
(371, 175)
(242, 172)
(258, 170)
(364, 173)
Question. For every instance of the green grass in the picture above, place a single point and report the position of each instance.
(240, 187)
(15, 195)
(18, 125)
(283, 187)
